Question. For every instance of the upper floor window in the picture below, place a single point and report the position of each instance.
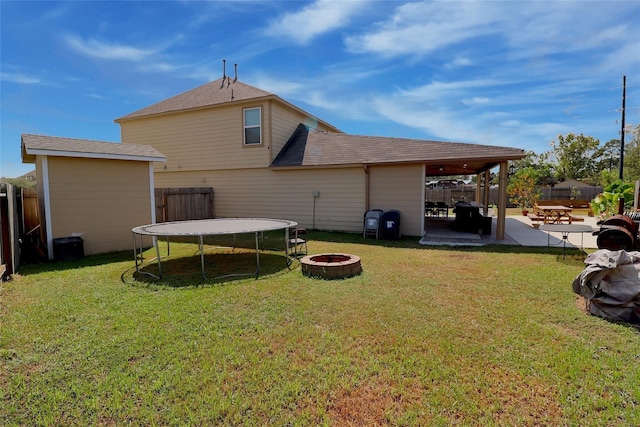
(252, 126)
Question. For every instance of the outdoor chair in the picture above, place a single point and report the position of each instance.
(298, 242)
(430, 209)
(442, 208)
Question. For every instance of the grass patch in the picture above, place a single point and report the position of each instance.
(425, 336)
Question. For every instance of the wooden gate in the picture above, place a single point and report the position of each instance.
(181, 204)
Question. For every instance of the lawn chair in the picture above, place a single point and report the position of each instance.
(372, 223)
(298, 242)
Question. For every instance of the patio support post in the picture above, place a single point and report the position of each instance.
(502, 201)
(478, 188)
(487, 189)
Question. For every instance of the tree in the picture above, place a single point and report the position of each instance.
(610, 156)
(522, 188)
(631, 169)
(544, 169)
(577, 157)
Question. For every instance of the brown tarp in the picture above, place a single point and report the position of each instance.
(611, 283)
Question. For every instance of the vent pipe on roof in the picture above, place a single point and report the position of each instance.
(224, 72)
(235, 67)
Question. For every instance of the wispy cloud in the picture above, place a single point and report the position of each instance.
(315, 19)
(421, 28)
(103, 50)
(525, 29)
(20, 78)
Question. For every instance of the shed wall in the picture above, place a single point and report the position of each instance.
(101, 200)
(399, 187)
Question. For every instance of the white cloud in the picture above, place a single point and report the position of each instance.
(476, 100)
(114, 51)
(459, 62)
(527, 29)
(20, 78)
(315, 19)
(421, 28)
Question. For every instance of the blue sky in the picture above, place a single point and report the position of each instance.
(509, 73)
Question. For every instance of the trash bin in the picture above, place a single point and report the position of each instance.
(391, 224)
(372, 223)
(68, 248)
(486, 225)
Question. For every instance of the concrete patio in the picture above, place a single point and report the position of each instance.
(518, 230)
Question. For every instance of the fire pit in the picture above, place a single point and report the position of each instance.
(331, 266)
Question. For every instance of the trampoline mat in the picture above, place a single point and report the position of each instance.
(206, 227)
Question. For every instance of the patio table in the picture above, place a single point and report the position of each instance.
(565, 230)
(554, 214)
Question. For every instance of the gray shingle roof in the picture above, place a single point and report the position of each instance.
(215, 93)
(309, 147)
(33, 145)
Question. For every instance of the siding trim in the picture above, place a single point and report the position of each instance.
(58, 153)
(47, 206)
(152, 194)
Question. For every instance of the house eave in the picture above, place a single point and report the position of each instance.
(32, 153)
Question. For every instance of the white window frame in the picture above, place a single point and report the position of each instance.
(245, 126)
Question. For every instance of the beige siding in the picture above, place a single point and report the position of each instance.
(284, 194)
(102, 200)
(284, 122)
(203, 139)
(400, 188)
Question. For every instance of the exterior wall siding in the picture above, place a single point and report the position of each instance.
(284, 122)
(101, 200)
(284, 194)
(201, 140)
(399, 187)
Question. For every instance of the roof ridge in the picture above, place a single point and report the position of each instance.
(215, 92)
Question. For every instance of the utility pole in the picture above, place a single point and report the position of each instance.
(624, 90)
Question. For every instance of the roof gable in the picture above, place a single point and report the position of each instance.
(33, 145)
(310, 147)
(217, 92)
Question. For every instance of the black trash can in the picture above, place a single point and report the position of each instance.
(486, 225)
(391, 224)
(68, 248)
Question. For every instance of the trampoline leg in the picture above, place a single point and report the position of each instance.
(257, 257)
(135, 251)
(201, 246)
(155, 242)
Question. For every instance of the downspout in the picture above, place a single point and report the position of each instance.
(366, 188)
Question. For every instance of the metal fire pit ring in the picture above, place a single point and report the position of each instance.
(331, 265)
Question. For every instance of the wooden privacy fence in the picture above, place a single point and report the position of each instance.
(181, 204)
(468, 193)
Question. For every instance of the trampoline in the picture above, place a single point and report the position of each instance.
(208, 227)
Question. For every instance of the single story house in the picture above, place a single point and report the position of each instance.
(95, 190)
(266, 157)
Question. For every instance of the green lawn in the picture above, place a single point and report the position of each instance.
(425, 336)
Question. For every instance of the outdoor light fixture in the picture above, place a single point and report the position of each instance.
(512, 169)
